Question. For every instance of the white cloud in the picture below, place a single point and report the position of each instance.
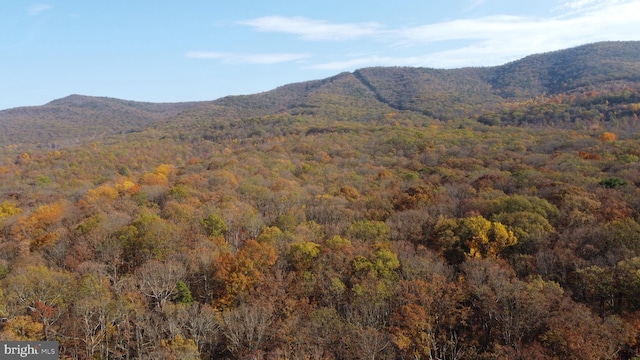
(490, 40)
(38, 8)
(615, 21)
(310, 29)
(465, 29)
(498, 39)
(230, 58)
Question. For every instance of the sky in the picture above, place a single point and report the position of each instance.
(195, 50)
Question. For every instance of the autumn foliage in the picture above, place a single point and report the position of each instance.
(336, 226)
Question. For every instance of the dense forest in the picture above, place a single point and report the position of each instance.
(389, 213)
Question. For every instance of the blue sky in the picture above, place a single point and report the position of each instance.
(170, 51)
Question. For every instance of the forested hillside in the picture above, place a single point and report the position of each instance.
(390, 213)
(77, 119)
(439, 94)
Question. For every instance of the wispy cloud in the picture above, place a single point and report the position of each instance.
(482, 41)
(38, 8)
(465, 29)
(616, 21)
(498, 39)
(611, 21)
(230, 58)
(310, 29)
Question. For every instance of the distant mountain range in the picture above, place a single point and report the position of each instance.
(435, 93)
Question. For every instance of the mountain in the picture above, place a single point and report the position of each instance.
(77, 118)
(451, 93)
(362, 95)
(587, 66)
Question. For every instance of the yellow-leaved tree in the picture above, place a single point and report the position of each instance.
(608, 136)
(8, 209)
(476, 236)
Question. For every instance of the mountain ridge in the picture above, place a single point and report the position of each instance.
(443, 94)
